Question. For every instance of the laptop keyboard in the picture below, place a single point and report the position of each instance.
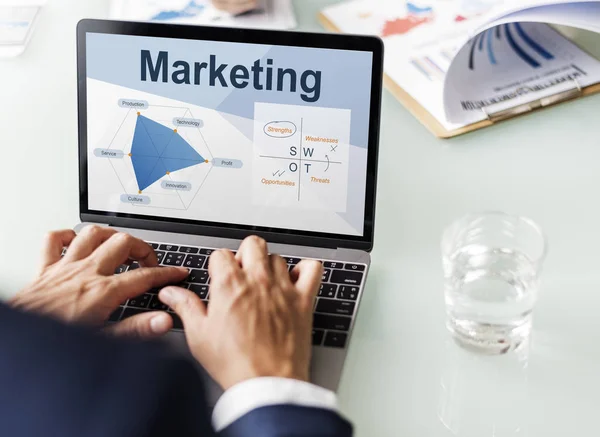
(334, 307)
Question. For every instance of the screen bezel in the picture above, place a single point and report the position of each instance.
(269, 37)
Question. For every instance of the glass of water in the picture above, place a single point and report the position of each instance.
(492, 263)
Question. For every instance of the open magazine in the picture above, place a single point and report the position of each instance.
(463, 61)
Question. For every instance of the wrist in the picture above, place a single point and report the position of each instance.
(283, 372)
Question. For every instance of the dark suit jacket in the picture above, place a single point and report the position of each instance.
(64, 381)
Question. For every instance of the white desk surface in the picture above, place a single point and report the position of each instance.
(402, 373)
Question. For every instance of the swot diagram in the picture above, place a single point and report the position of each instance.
(301, 156)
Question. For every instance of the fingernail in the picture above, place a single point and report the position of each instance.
(184, 269)
(169, 295)
(160, 323)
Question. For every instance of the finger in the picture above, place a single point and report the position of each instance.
(308, 274)
(88, 240)
(224, 270)
(54, 244)
(280, 272)
(186, 304)
(144, 326)
(235, 6)
(254, 258)
(133, 283)
(121, 247)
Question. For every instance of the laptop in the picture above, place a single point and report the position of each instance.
(192, 138)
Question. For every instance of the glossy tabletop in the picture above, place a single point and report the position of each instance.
(403, 376)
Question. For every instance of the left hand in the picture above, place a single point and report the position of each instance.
(81, 287)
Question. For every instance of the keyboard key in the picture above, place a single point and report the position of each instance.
(160, 256)
(327, 290)
(355, 267)
(333, 265)
(154, 290)
(326, 321)
(198, 276)
(169, 247)
(157, 305)
(347, 292)
(134, 265)
(154, 245)
(291, 261)
(206, 251)
(121, 269)
(129, 312)
(200, 290)
(332, 306)
(335, 339)
(177, 323)
(188, 249)
(114, 317)
(140, 301)
(326, 275)
(346, 277)
(317, 337)
(173, 259)
(194, 261)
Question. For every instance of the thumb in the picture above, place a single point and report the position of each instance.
(186, 304)
(144, 326)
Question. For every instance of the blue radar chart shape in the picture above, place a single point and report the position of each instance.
(158, 150)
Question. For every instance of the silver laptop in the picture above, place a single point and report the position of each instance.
(192, 138)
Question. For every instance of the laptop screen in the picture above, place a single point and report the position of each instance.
(243, 134)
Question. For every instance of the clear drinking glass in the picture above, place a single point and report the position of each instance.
(492, 264)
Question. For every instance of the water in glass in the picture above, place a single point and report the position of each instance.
(490, 293)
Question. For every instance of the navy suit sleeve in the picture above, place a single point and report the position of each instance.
(63, 381)
(289, 421)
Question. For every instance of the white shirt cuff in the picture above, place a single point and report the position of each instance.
(261, 392)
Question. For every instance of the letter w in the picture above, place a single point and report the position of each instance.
(308, 151)
(154, 70)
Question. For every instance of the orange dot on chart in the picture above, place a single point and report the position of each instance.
(175, 130)
(139, 113)
(168, 172)
(129, 154)
(206, 160)
(139, 191)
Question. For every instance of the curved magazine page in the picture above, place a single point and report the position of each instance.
(511, 65)
(585, 16)
(563, 12)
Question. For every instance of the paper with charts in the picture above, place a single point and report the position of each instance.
(461, 59)
(270, 14)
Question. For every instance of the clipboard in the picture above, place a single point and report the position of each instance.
(492, 117)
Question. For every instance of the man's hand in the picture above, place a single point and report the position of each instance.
(259, 321)
(235, 7)
(81, 287)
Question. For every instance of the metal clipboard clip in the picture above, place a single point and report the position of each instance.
(559, 97)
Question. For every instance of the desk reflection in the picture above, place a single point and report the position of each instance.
(483, 396)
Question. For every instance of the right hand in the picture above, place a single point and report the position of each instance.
(259, 321)
(235, 7)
